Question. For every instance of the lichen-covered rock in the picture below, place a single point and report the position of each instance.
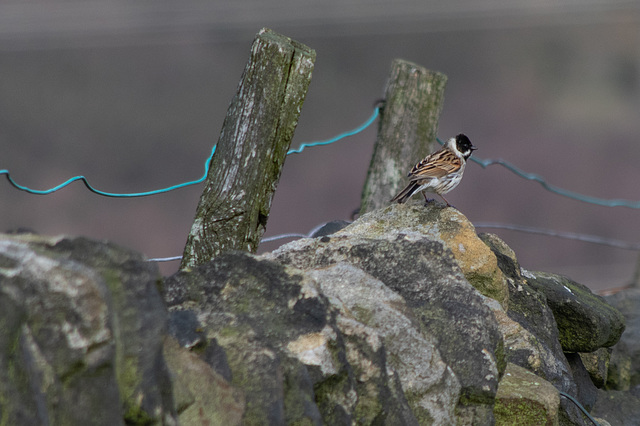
(597, 364)
(447, 226)
(431, 387)
(247, 312)
(529, 327)
(286, 348)
(82, 335)
(530, 332)
(404, 317)
(202, 396)
(585, 321)
(526, 399)
(446, 306)
(533, 352)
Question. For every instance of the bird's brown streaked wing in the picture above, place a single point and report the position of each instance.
(438, 164)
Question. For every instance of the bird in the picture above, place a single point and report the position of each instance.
(440, 171)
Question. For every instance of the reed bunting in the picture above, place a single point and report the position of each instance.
(439, 172)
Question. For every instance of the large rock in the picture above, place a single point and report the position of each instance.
(291, 355)
(202, 395)
(529, 327)
(431, 387)
(526, 397)
(586, 321)
(446, 226)
(531, 334)
(427, 275)
(81, 342)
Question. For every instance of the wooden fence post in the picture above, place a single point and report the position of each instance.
(257, 131)
(407, 131)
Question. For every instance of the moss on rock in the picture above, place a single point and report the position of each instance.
(525, 399)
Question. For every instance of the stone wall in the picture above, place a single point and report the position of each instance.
(404, 317)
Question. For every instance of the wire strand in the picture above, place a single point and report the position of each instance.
(552, 188)
(562, 234)
(355, 131)
(109, 194)
(557, 190)
(207, 164)
(512, 227)
(584, 410)
(484, 163)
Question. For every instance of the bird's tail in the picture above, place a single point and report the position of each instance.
(406, 193)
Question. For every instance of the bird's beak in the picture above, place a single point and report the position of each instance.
(473, 148)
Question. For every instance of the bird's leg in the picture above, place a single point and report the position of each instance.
(426, 200)
(445, 200)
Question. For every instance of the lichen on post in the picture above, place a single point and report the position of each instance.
(407, 131)
(257, 132)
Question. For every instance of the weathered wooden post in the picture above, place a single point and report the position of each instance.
(407, 131)
(256, 135)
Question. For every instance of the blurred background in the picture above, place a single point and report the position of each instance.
(133, 95)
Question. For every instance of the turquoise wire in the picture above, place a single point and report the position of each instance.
(182, 185)
(483, 163)
(366, 124)
(109, 194)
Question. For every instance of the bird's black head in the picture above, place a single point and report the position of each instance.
(464, 145)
